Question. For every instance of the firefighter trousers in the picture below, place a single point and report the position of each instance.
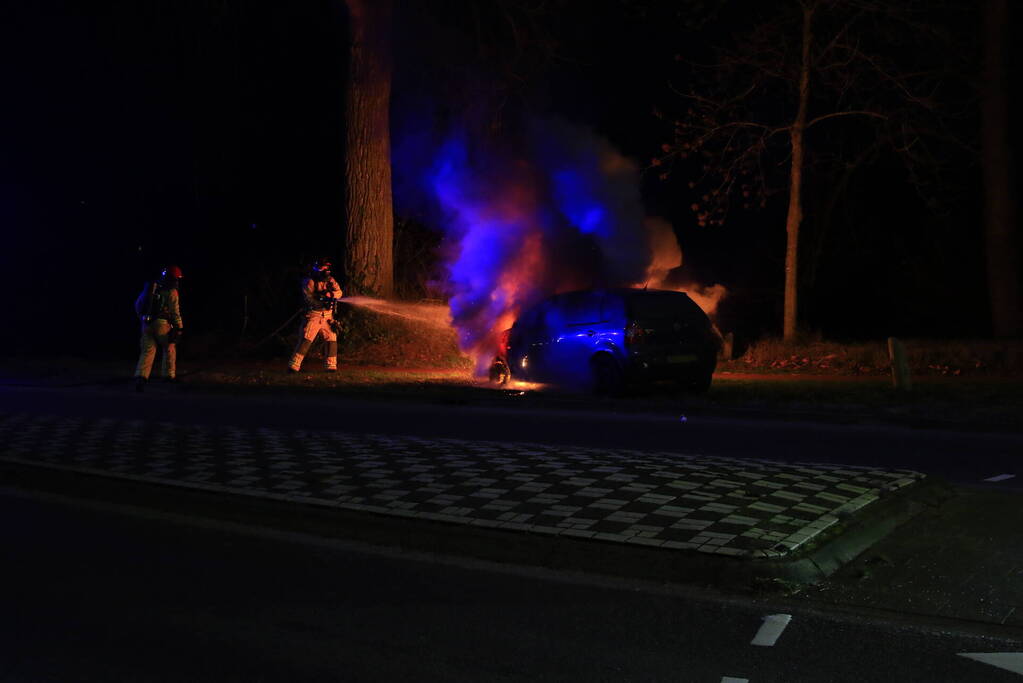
(316, 323)
(154, 336)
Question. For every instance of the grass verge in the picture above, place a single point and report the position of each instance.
(957, 384)
(926, 357)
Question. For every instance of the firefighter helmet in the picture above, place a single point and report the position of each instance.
(171, 273)
(320, 268)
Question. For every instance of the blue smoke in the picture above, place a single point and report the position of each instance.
(559, 211)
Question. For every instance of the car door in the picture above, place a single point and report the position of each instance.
(575, 324)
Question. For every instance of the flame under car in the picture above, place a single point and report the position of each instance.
(603, 339)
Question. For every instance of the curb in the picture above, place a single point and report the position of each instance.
(847, 542)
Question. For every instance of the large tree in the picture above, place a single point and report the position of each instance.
(472, 55)
(369, 230)
(792, 81)
(1000, 208)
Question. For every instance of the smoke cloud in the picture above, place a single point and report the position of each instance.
(560, 211)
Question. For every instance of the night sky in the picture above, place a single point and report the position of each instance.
(209, 134)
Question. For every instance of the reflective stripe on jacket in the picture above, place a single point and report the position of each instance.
(165, 304)
(311, 289)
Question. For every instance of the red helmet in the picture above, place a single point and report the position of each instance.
(321, 265)
(171, 272)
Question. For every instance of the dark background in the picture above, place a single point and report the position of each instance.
(209, 134)
(138, 134)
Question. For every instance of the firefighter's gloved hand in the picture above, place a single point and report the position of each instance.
(174, 335)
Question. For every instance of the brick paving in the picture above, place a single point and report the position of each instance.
(743, 507)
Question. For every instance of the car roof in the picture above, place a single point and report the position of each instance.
(624, 292)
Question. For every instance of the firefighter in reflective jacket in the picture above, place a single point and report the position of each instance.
(159, 312)
(319, 293)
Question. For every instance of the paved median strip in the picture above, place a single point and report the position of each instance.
(742, 507)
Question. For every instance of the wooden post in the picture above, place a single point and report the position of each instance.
(245, 313)
(901, 379)
(727, 346)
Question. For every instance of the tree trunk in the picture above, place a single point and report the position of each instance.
(369, 258)
(795, 213)
(999, 204)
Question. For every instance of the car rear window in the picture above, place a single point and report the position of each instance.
(650, 306)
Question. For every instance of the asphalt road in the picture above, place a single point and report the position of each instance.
(94, 593)
(99, 592)
(960, 457)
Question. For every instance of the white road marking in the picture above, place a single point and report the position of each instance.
(1010, 661)
(1000, 477)
(771, 629)
(729, 679)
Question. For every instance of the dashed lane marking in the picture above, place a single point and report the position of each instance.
(729, 679)
(1000, 477)
(771, 629)
(1010, 661)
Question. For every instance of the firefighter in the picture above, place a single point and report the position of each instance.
(159, 312)
(319, 293)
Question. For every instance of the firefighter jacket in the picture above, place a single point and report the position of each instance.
(157, 302)
(313, 292)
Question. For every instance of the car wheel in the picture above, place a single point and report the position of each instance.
(607, 374)
(700, 381)
(499, 373)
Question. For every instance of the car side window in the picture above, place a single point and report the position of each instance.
(612, 308)
(552, 317)
(582, 308)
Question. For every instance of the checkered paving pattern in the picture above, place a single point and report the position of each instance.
(726, 506)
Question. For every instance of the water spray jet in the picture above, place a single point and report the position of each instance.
(435, 315)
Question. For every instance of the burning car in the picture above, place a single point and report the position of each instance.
(601, 339)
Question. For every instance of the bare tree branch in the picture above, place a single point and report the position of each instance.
(808, 62)
(854, 112)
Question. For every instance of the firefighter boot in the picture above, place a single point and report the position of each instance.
(300, 351)
(331, 359)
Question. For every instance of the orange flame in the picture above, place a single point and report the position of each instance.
(666, 255)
